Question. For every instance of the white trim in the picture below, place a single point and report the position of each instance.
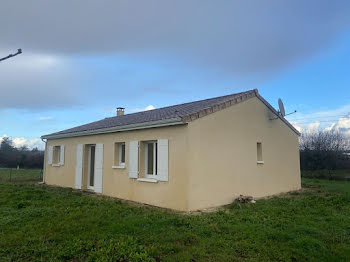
(98, 175)
(61, 155)
(120, 146)
(151, 176)
(151, 124)
(155, 159)
(50, 155)
(89, 167)
(57, 150)
(44, 164)
(119, 167)
(150, 180)
(56, 165)
(260, 162)
(79, 166)
(163, 160)
(133, 164)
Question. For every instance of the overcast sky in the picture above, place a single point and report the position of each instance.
(81, 59)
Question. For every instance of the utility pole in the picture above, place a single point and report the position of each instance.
(19, 51)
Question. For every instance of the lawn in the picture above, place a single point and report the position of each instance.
(42, 223)
(13, 175)
(341, 174)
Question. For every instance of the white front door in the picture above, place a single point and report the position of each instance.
(91, 167)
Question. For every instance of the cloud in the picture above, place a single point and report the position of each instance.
(150, 107)
(324, 115)
(71, 54)
(35, 80)
(31, 143)
(306, 128)
(147, 108)
(337, 119)
(44, 118)
(22, 141)
(241, 37)
(297, 126)
(342, 125)
(2, 137)
(312, 127)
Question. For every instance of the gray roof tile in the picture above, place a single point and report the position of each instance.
(163, 113)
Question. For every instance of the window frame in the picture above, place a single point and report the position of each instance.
(117, 157)
(56, 155)
(259, 149)
(155, 159)
(89, 167)
(120, 151)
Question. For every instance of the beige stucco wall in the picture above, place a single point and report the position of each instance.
(212, 160)
(222, 155)
(116, 182)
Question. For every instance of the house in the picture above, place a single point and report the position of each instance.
(185, 157)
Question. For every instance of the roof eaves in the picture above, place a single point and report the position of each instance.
(144, 125)
(276, 113)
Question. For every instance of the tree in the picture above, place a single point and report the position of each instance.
(8, 156)
(6, 144)
(11, 156)
(321, 150)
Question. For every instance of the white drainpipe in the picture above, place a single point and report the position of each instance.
(44, 165)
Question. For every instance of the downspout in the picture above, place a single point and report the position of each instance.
(44, 165)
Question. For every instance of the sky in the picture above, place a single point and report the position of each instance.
(82, 59)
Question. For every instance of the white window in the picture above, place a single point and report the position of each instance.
(151, 159)
(119, 155)
(259, 153)
(122, 154)
(56, 155)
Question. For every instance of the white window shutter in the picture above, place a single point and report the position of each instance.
(62, 155)
(50, 155)
(163, 160)
(98, 168)
(133, 159)
(79, 167)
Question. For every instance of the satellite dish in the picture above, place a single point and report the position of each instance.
(281, 107)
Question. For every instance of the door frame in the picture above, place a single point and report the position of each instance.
(89, 167)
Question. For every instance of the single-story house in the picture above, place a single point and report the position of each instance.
(185, 157)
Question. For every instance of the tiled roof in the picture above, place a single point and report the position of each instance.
(183, 112)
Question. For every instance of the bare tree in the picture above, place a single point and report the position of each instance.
(322, 150)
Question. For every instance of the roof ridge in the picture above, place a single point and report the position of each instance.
(183, 113)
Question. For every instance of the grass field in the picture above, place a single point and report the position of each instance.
(14, 175)
(342, 174)
(42, 223)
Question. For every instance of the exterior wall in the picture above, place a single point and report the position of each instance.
(116, 182)
(223, 155)
(212, 160)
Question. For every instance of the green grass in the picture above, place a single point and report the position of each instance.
(341, 174)
(42, 223)
(14, 175)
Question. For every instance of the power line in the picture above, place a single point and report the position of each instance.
(321, 121)
(311, 118)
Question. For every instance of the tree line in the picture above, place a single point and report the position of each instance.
(324, 150)
(11, 156)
